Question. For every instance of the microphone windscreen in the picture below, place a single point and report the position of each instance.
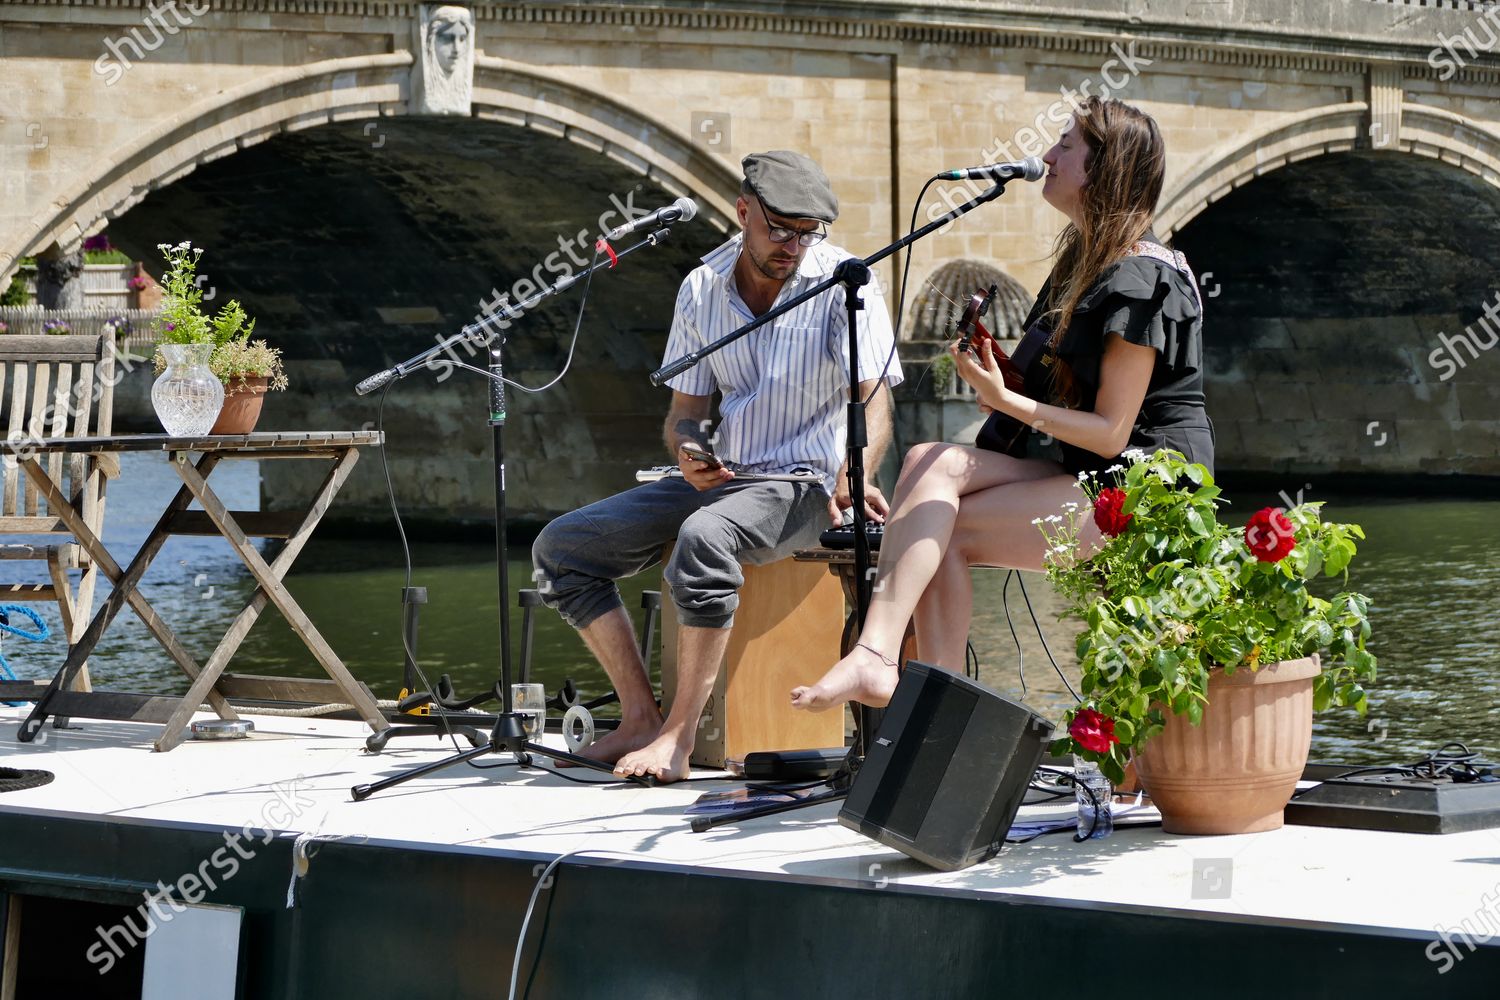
(687, 206)
(1033, 168)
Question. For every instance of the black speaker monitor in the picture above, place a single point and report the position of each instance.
(947, 770)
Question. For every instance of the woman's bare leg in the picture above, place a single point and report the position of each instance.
(942, 614)
(934, 478)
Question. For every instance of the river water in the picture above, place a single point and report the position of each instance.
(1430, 566)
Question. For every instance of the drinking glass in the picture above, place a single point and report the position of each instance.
(530, 702)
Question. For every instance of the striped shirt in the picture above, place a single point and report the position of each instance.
(785, 385)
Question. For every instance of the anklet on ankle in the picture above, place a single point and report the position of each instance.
(884, 659)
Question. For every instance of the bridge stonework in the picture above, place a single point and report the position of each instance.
(106, 104)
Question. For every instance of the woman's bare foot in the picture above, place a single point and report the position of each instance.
(664, 758)
(626, 738)
(862, 676)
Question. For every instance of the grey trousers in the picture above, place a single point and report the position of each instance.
(580, 555)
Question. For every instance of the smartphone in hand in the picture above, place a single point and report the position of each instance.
(698, 453)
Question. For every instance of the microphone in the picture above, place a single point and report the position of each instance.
(1031, 169)
(375, 381)
(681, 210)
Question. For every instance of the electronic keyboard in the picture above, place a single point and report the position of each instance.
(843, 537)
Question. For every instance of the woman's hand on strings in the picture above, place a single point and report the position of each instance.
(982, 372)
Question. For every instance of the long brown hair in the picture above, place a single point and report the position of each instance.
(1126, 164)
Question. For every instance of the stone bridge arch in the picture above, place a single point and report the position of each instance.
(1341, 291)
(127, 188)
(372, 88)
(1424, 131)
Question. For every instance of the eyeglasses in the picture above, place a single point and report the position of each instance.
(782, 234)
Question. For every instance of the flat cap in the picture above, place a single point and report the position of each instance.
(791, 185)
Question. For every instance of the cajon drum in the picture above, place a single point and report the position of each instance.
(786, 632)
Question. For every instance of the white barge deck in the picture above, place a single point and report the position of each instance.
(421, 890)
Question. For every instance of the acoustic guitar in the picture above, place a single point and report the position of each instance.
(1001, 432)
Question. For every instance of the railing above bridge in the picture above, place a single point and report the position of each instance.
(106, 286)
(131, 327)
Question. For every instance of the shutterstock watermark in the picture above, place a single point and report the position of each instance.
(1479, 927)
(1213, 878)
(159, 906)
(710, 128)
(558, 266)
(65, 406)
(117, 51)
(1035, 139)
(1444, 56)
(1449, 357)
(1161, 615)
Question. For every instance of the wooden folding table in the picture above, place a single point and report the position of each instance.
(209, 681)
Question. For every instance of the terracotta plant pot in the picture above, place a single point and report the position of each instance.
(242, 402)
(1236, 771)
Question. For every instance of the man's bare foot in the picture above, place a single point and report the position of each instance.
(626, 738)
(861, 676)
(665, 759)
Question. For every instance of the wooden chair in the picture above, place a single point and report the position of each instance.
(55, 386)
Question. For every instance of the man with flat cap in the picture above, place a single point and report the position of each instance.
(785, 387)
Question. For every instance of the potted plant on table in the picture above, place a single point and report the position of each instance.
(214, 377)
(1201, 642)
(248, 368)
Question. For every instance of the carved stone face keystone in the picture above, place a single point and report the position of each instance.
(449, 40)
(442, 76)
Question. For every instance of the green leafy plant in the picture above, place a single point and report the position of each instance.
(15, 290)
(1174, 593)
(237, 360)
(942, 373)
(182, 321)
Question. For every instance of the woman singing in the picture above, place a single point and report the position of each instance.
(1121, 368)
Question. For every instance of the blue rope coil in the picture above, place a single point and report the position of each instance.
(42, 634)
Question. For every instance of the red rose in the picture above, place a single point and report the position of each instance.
(1269, 535)
(1093, 731)
(1107, 511)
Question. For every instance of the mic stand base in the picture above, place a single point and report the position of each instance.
(508, 736)
(838, 784)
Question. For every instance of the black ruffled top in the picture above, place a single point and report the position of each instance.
(1147, 302)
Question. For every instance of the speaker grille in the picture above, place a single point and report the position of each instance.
(915, 771)
(947, 771)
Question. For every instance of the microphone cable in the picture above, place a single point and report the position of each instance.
(900, 303)
(1005, 590)
(405, 544)
(572, 342)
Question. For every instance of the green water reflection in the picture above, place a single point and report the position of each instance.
(1431, 568)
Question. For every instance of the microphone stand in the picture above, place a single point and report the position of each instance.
(509, 733)
(853, 273)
